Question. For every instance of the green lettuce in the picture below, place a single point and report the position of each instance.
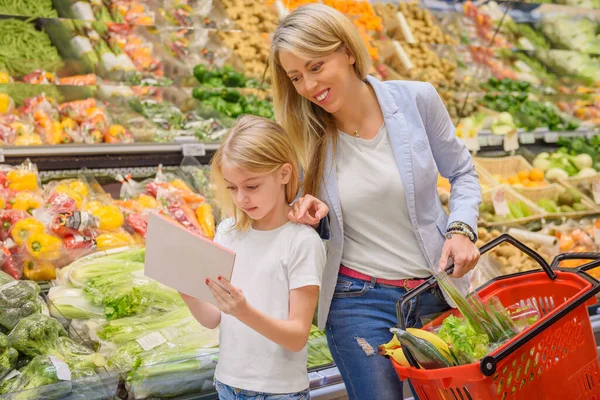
(467, 345)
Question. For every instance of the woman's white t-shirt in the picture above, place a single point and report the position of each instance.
(268, 265)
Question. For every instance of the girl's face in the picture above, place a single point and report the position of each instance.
(324, 81)
(258, 195)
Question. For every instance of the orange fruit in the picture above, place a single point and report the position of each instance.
(536, 174)
(523, 175)
(566, 243)
(513, 179)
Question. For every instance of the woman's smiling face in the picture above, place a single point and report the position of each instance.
(324, 81)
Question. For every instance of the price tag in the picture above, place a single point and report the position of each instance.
(472, 143)
(408, 36)
(63, 372)
(527, 138)
(281, 10)
(402, 55)
(551, 137)
(11, 375)
(483, 140)
(151, 341)
(499, 202)
(193, 150)
(596, 190)
(495, 140)
(511, 141)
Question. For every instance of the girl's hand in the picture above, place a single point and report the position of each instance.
(464, 253)
(308, 210)
(230, 300)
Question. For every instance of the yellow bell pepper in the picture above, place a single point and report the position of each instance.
(24, 228)
(5, 77)
(6, 103)
(147, 201)
(79, 187)
(29, 139)
(39, 270)
(26, 201)
(42, 246)
(113, 240)
(206, 219)
(93, 206)
(110, 217)
(2, 203)
(22, 179)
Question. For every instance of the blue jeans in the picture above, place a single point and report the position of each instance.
(365, 310)
(227, 392)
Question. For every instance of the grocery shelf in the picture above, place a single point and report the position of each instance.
(488, 139)
(68, 157)
(520, 11)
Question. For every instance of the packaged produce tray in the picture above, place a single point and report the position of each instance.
(552, 192)
(511, 196)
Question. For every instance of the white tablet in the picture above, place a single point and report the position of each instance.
(183, 260)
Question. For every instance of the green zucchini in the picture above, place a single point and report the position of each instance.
(424, 352)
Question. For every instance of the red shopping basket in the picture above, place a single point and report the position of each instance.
(555, 358)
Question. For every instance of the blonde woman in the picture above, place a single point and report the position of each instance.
(266, 311)
(372, 153)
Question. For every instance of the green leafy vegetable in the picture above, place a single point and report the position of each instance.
(18, 299)
(24, 49)
(468, 345)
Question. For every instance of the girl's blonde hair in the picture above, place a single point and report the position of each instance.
(258, 145)
(311, 31)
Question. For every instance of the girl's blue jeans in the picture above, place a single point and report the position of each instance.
(230, 393)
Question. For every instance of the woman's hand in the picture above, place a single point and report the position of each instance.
(230, 300)
(308, 210)
(464, 253)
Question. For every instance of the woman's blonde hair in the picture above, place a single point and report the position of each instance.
(311, 31)
(258, 145)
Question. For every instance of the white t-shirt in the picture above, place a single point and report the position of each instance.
(268, 265)
(379, 239)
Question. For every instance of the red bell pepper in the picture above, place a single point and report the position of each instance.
(7, 219)
(138, 223)
(61, 203)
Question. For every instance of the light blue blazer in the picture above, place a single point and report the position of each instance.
(424, 142)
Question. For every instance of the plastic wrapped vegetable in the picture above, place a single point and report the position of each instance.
(18, 299)
(70, 303)
(125, 329)
(38, 270)
(41, 371)
(169, 372)
(44, 247)
(36, 334)
(8, 356)
(79, 272)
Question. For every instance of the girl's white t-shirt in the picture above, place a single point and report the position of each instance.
(268, 265)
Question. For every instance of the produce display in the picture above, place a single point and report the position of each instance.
(74, 296)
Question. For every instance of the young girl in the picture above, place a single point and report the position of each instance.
(266, 311)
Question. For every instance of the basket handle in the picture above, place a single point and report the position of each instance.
(575, 256)
(429, 283)
(488, 364)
